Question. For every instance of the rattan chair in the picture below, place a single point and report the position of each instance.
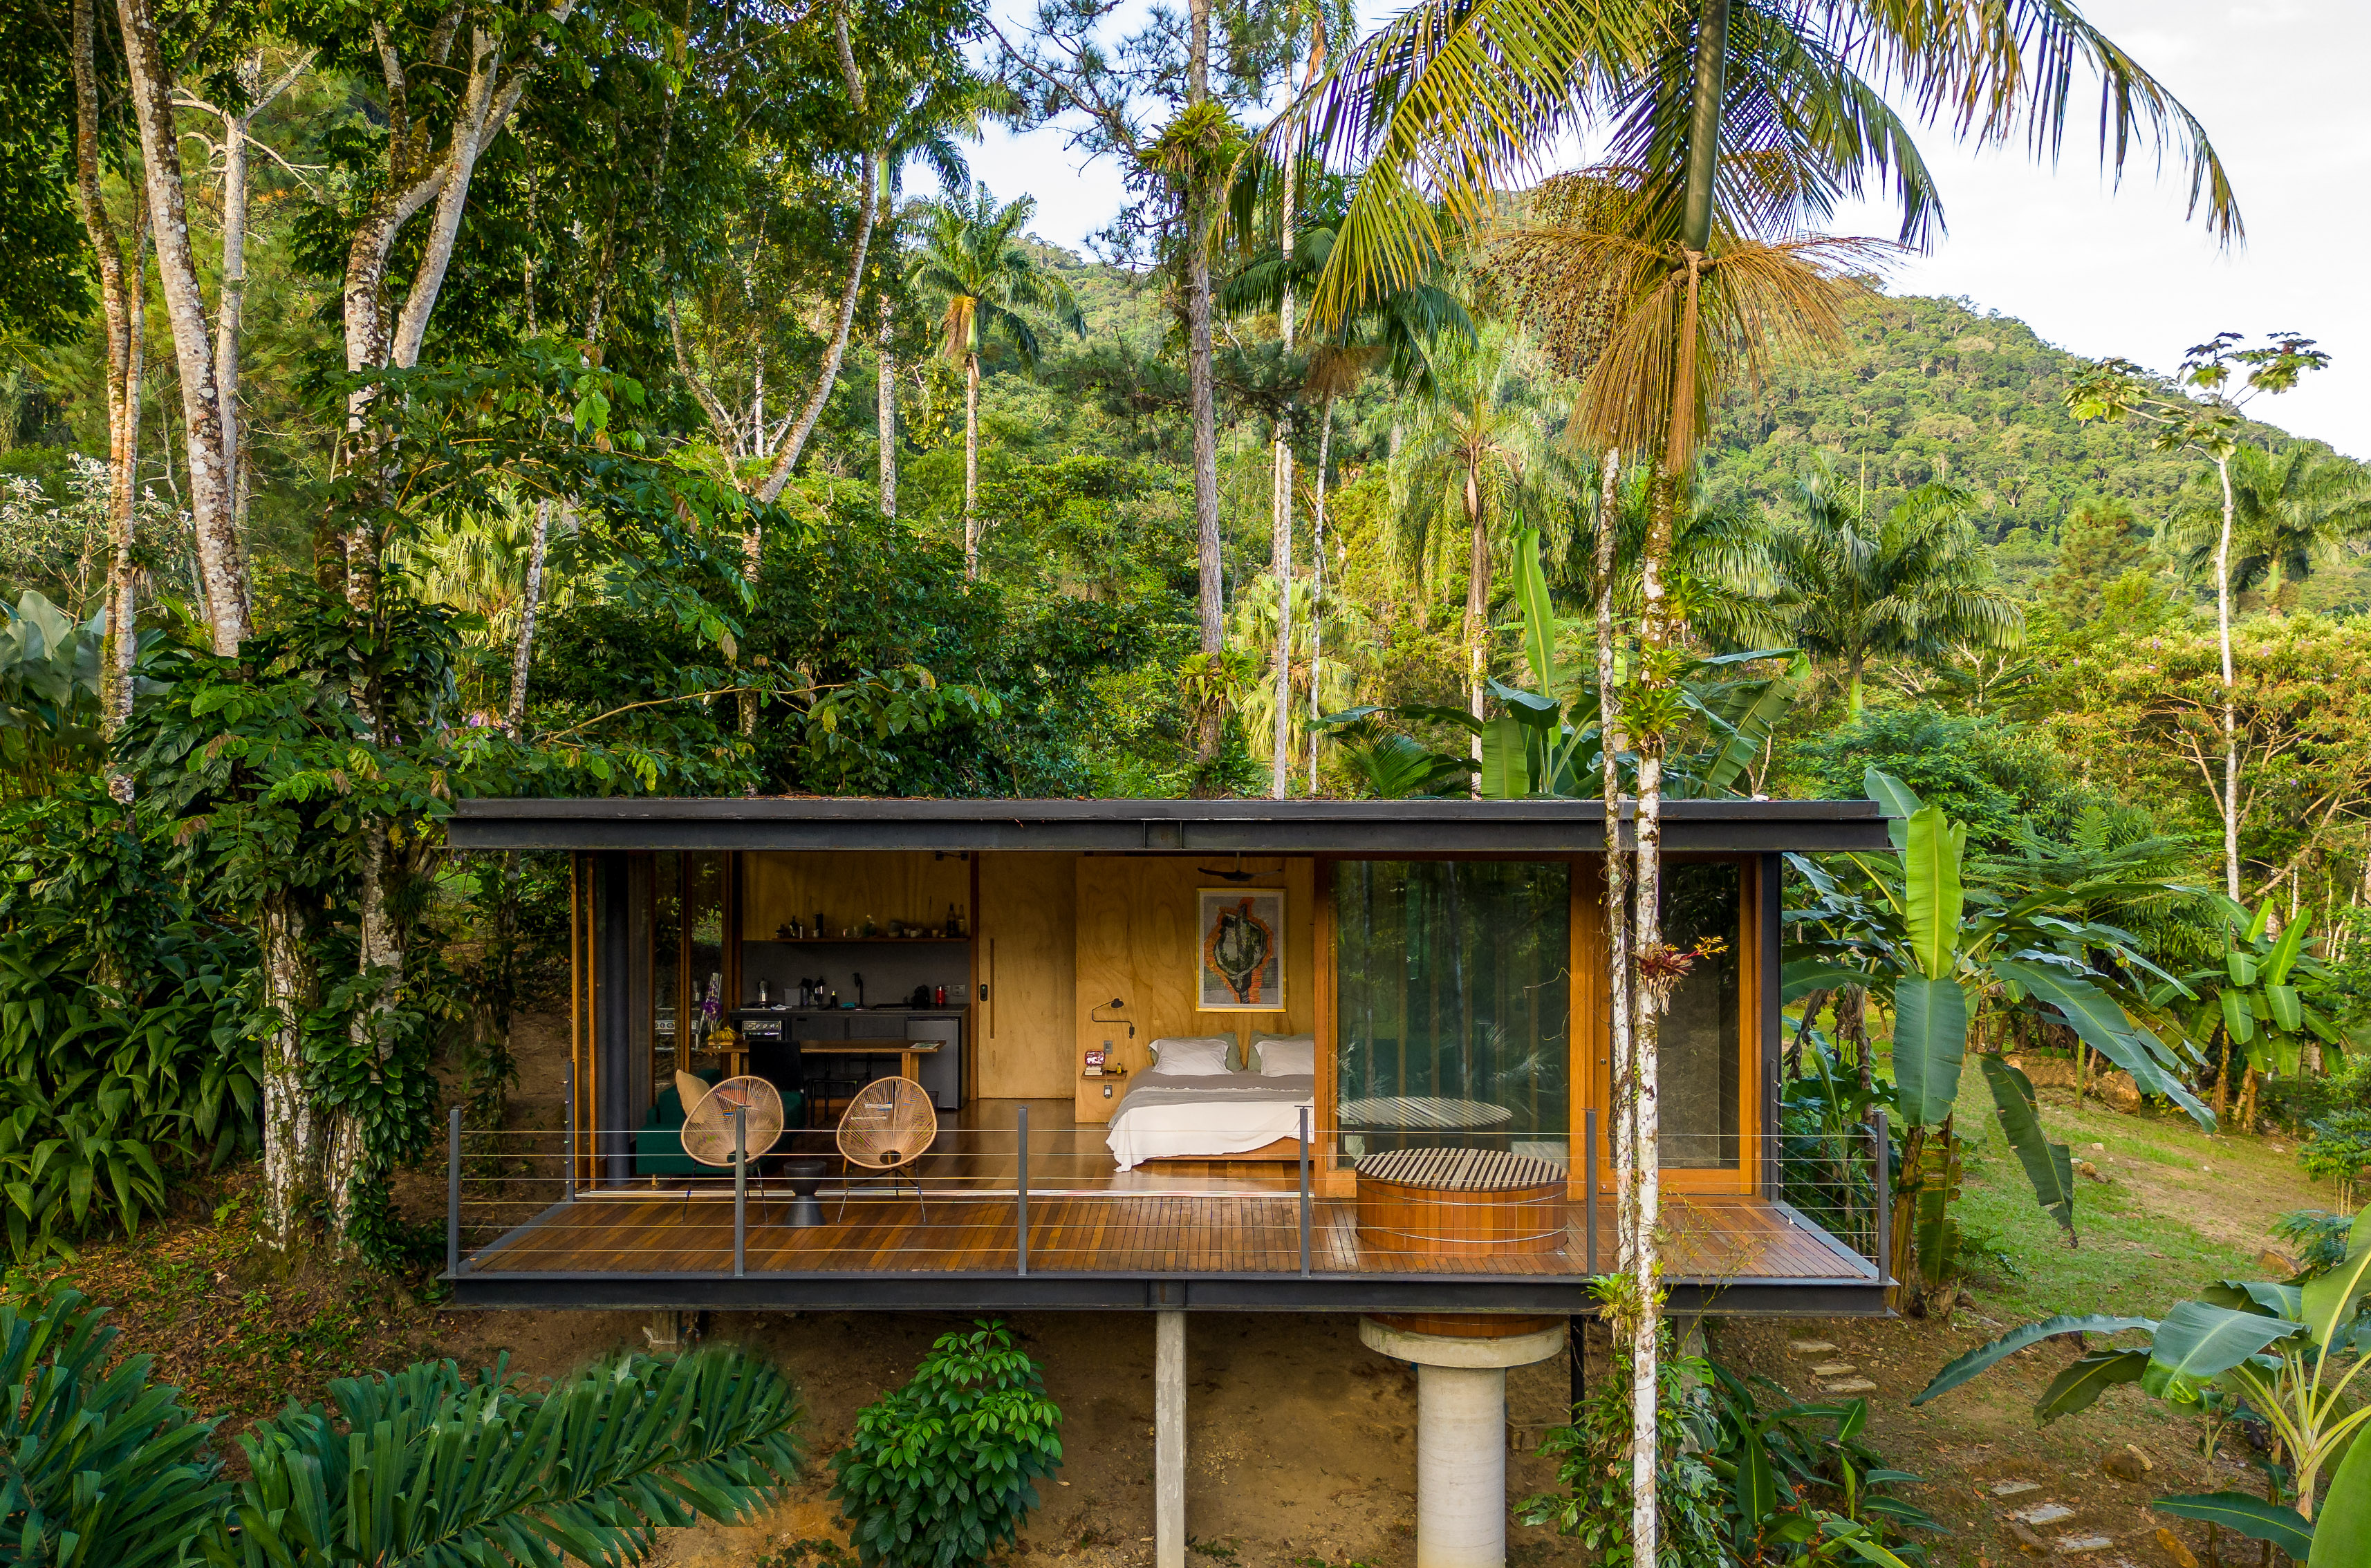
(886, 1127)
(709, 1136)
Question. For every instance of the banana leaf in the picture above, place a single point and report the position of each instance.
(2342, 1534)
(1985, 1356)
(2080, 1386)
(2048, 1166)
(1931, 890)
(2238, 1016)
(1899, 800)
(2197, 1341)
(1930, 1043)
(1799, 977)
(2102, 1025)
(2328, 1301)
(2261, 1296)
(2251, 1517)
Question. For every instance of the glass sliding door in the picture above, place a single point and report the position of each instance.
(1452, 1003)
(1700, 1054)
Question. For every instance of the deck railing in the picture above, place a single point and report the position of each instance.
(1020, 1200)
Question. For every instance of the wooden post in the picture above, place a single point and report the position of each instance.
(740, 1191)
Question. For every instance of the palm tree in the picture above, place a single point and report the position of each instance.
(1465, 467)
(922, 127)
(1916, 585)
(970, 256)
(2292, 511)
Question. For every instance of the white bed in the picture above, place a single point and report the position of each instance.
(1209, 1116)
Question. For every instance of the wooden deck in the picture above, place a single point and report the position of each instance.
(1707, 1241)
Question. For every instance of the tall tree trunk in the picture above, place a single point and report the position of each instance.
(1198, 386)
(221, 560)
(2230, 687)
(1477, 602)
(826, 379)
(291, 1131)
(1280, 524)
(971, 466)
(530, 603)
(122, 398)
(230, 318)
(1621, 1128)
(1317, 586)
(885, 387)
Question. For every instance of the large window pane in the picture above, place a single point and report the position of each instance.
(1452, 988)
(667, 970)
(1698, 1050)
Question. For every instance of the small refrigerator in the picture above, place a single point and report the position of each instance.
(941, 1071)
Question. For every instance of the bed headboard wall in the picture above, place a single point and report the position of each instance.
(1138, 939)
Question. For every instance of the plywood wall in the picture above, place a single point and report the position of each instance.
(1027, 905)
(848, 885)
(1138, 941)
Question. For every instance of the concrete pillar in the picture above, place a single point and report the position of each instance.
(1169, 1440)
(1461, 1434)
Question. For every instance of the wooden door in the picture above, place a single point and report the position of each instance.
(1023, 957)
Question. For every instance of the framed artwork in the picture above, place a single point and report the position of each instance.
(1241, 958)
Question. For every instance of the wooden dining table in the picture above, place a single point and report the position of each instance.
(909, 1053)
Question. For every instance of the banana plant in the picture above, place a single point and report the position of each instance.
(1544, 739)
(1918, 934)
(2286, 1355)
(2267, 995)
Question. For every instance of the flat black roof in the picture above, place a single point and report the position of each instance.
(1258, 827)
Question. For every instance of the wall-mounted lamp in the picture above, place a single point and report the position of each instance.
(1095, 1014)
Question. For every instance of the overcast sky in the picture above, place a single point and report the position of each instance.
(2094, 269)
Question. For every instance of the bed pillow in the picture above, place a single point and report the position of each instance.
(1285, 1055)
(1192, 1055)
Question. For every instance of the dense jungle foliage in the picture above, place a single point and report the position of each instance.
(701, 453)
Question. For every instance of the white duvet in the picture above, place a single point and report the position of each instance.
(1165, 1116)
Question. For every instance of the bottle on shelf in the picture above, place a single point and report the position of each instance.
(765, 994)
(939, 997)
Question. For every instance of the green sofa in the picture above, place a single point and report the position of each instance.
(658, 1146)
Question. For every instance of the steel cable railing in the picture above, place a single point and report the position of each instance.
(1025, 1201)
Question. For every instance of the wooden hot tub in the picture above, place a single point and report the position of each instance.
(1461, 1201)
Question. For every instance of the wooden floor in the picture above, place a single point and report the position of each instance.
(1706, 1240)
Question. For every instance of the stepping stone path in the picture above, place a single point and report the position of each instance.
(2025, 1523)
(1835, 1376)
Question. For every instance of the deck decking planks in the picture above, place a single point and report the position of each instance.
(1706, 1240)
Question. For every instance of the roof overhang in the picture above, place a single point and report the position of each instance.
(1195, 826)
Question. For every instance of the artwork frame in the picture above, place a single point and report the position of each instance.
(1227, 918)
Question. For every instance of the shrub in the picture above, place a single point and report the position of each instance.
(1986, 772)
(1593, 1465)
(942, 1471)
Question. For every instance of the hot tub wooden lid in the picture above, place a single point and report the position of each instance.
(1461, 1170)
